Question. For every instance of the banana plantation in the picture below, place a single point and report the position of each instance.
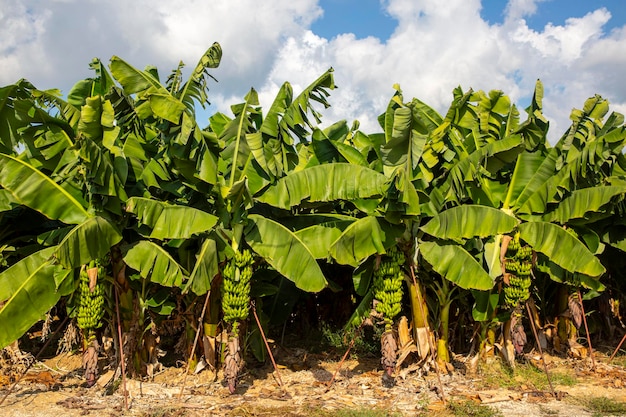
(125, 222)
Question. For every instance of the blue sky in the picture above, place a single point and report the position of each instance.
(577, 48)
(369, 18)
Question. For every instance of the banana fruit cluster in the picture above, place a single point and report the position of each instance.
(236, 287)
(518, 266)
(387, 285)
(91, 301)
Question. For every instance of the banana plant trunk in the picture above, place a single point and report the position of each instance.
(419, 314)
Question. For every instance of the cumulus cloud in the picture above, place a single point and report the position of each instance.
(51, 43)
(435, 48)
(432, 50)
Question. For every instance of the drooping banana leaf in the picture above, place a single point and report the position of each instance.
(485, 303)
(363, 238)
(282, 249)
(155, 263)
(38, 191)
(456, 265)
(87, 241)
(170, 221)
(205, 270)
(319, 238)
(28, 290)
(327, 182)
(467, 221)
(583, 201)
(561, 247)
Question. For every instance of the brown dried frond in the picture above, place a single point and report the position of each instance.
(575, 309)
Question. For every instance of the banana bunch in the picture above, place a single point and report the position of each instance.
(387, 285)
(236, 287)
(518, 264)
(91, 301)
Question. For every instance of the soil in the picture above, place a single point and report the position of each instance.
(55, 387)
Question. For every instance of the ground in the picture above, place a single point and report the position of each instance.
(55, 387)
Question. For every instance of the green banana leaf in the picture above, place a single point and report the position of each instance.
(282, 249)
(155, 263)
(87, 241)
(329, 182)
(28, 290)
(170, 221)
(319, 238)
(467, 221)
(205, 270)
(161, 103)
(485, 304)
(530, 168)
(7, 201)
(456, 265)
(196, 87)
(583, 201)
(363, 238)
(38, 191)
(561, 248)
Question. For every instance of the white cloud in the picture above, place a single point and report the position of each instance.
(433, 49)
(436, 48)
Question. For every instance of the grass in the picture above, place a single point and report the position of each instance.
(603, 406)
(470, 408)
(497, 375)
(358, 412)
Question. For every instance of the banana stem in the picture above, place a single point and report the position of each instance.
(430, 344)
(267, 346)
(593, 362)
(195, 342)
(121, 345)
(543, 361)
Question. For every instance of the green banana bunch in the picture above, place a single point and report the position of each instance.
(518, 264)
(236, 287)
(91, 302)
(387, 285)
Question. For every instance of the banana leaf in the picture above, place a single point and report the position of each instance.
(329, 182)
(467, 221)
(363, 238)
(205, 270)
(456, 265)
(87, 241)
(159, 101)
(155, 263)
(38, 191)
(29, 291)
(561, 247)
(170, 221)
(583, 201)
(319, 238)
(282, 249)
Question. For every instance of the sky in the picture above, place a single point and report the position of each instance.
(577, 48)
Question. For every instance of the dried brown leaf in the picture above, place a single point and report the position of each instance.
(575, 309)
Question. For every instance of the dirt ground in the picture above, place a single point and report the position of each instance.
(55, 387)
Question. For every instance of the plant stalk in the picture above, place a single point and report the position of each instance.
(121, 345)
(593, 362)
(195, 342)
(543, 361)
(267, 346)
(432, 348)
